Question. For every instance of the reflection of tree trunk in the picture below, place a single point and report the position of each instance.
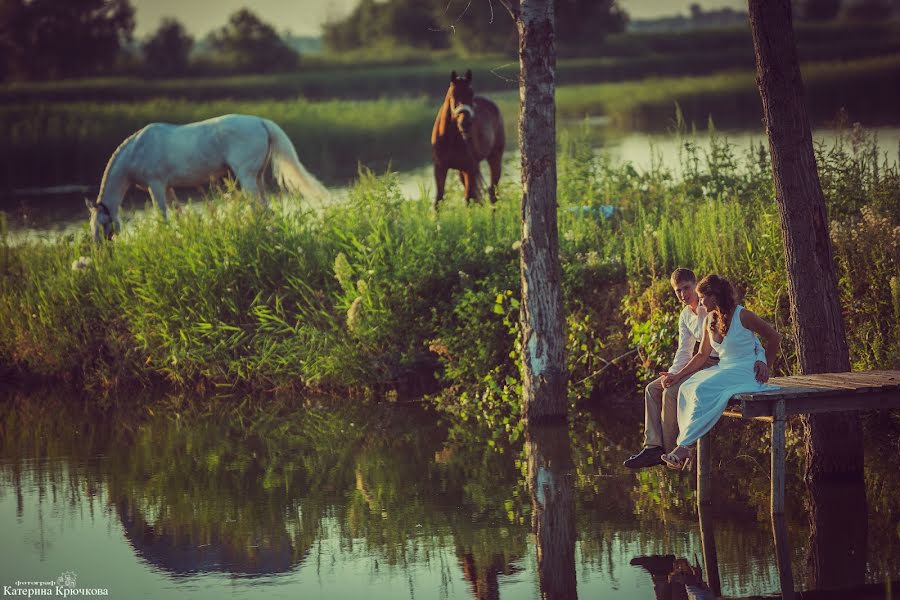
(483, 581)
(834, 442)
(553, 511)
(838, 528)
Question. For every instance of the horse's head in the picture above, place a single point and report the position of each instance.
(462, 103)
(103, 224)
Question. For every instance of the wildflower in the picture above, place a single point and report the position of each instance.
(463, 276)
(81, 263)
(488, 249)
(354, 313)
(342, 270)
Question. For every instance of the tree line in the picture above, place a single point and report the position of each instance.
(470, 27)
(49, 39)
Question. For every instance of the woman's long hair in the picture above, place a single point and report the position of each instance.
(721, 288)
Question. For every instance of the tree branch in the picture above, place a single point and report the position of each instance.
(512, 6)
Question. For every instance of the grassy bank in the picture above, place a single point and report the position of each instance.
(375, 293)
(62, 143)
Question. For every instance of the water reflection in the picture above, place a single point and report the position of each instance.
(550, 473)
(341, 500)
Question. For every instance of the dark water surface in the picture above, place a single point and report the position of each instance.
(335, 500)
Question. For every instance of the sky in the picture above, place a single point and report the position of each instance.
(305, 17)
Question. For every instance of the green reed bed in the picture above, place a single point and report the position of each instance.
(398, 72)
(64, 143)
(378, 292)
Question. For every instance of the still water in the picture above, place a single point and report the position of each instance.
(338, 500)
(42, 213)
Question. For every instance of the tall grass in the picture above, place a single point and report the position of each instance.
(373, 293)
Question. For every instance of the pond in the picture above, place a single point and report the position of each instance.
(331, 499)
(60, 209)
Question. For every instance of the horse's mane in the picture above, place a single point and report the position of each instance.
(443, 117)
(112, 161)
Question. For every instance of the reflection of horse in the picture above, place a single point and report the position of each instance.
(467, 130)
(161, 156)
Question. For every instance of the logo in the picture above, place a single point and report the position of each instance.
(65, 585)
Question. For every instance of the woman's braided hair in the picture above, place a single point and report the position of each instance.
(721, 288)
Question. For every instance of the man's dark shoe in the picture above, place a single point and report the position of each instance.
(648, 457)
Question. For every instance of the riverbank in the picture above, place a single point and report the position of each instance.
(367, 295)
(66, 143)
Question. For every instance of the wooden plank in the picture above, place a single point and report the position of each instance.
(850, 381)
(837, 403)
(737, 414)
(820, 381)
(786, 392)
(861, 380)
(876, 378)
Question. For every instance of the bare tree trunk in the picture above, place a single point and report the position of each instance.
(833, 442)
(553, 509)
(543, 369)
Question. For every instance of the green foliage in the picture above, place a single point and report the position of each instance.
(472, 27)
(45, 39)
(249, 45)
(166, 51)
(373, 292)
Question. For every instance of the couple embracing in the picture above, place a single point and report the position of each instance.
(718, 356)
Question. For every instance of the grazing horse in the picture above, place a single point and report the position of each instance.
(161, 156)
(467, 130)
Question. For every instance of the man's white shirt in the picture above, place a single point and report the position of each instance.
(690, 333)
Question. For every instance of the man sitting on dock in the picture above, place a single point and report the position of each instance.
(661, 404)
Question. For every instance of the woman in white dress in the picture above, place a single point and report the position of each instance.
(730, 329)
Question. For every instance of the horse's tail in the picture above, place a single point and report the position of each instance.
(289, 172)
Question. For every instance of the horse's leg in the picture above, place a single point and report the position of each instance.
(471, 183)
(248, 184)
(495, 161)
(261, 187)
(172, 199)
(158, 194)
(440, 180)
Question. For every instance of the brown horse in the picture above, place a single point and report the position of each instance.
(468, 129)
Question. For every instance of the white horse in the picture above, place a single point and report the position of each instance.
(162, 156)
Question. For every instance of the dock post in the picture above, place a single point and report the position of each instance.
(779, 529)
(704, 471)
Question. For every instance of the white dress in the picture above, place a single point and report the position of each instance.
(704, 395)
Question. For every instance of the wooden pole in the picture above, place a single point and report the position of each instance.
(779, 530)
(704, 471)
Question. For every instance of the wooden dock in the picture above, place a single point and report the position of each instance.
(797, 395)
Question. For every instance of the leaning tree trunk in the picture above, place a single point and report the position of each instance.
(833, 442)
(543, 369)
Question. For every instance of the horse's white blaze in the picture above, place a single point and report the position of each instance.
(464, 107)
(162, 156)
